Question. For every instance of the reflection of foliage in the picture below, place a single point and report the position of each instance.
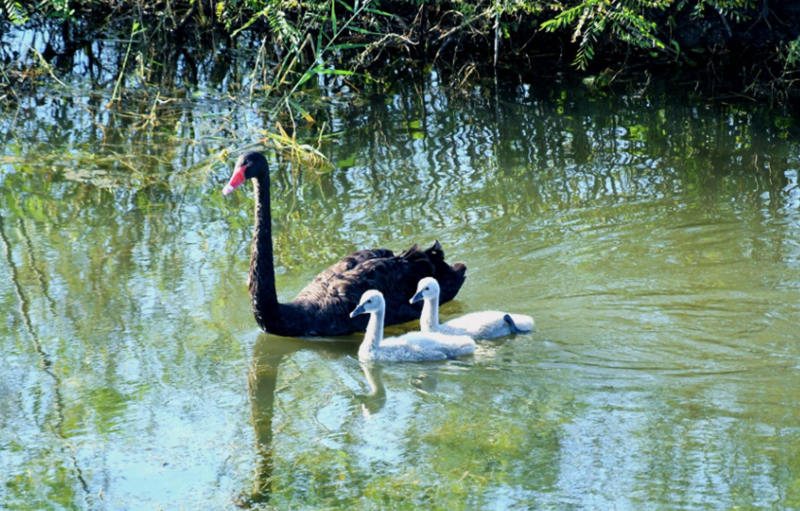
(99, 268)
(790, 55)
(134, 269)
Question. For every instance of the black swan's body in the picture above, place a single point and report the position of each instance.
(323, 306)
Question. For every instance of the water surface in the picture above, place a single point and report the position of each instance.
(655, 239)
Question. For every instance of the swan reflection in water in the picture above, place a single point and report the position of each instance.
(373, 401)
(269, 353)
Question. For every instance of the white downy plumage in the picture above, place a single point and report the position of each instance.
(412, 346)
(480, 325)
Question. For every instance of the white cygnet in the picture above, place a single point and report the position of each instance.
(412, 346)
(480, 325)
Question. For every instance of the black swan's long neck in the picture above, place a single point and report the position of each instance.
(262, 270)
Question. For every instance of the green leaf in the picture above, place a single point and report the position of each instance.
(364, 31)
(377, 11)
(344, 4)
(343, 72)
(347, 46)
(308, 75)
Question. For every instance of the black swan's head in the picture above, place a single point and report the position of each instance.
(249, 165)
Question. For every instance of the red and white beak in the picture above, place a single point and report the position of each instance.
(236, 180)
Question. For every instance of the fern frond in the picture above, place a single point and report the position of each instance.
(13, 10)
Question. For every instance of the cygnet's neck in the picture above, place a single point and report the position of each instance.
(373, 335)
(429, 319)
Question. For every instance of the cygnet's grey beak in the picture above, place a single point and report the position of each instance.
(358, 310)
(417, 297)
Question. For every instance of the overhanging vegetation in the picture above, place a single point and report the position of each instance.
(748, 48)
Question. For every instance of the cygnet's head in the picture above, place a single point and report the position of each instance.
(371, 301)
(427, 289)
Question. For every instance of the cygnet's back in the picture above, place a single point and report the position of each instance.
(487, 324)
(419, 346)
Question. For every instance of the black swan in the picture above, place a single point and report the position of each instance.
(323, 307)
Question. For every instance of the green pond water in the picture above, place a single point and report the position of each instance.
(654, 239)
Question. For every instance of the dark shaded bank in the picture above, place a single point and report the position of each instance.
(747, 49)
